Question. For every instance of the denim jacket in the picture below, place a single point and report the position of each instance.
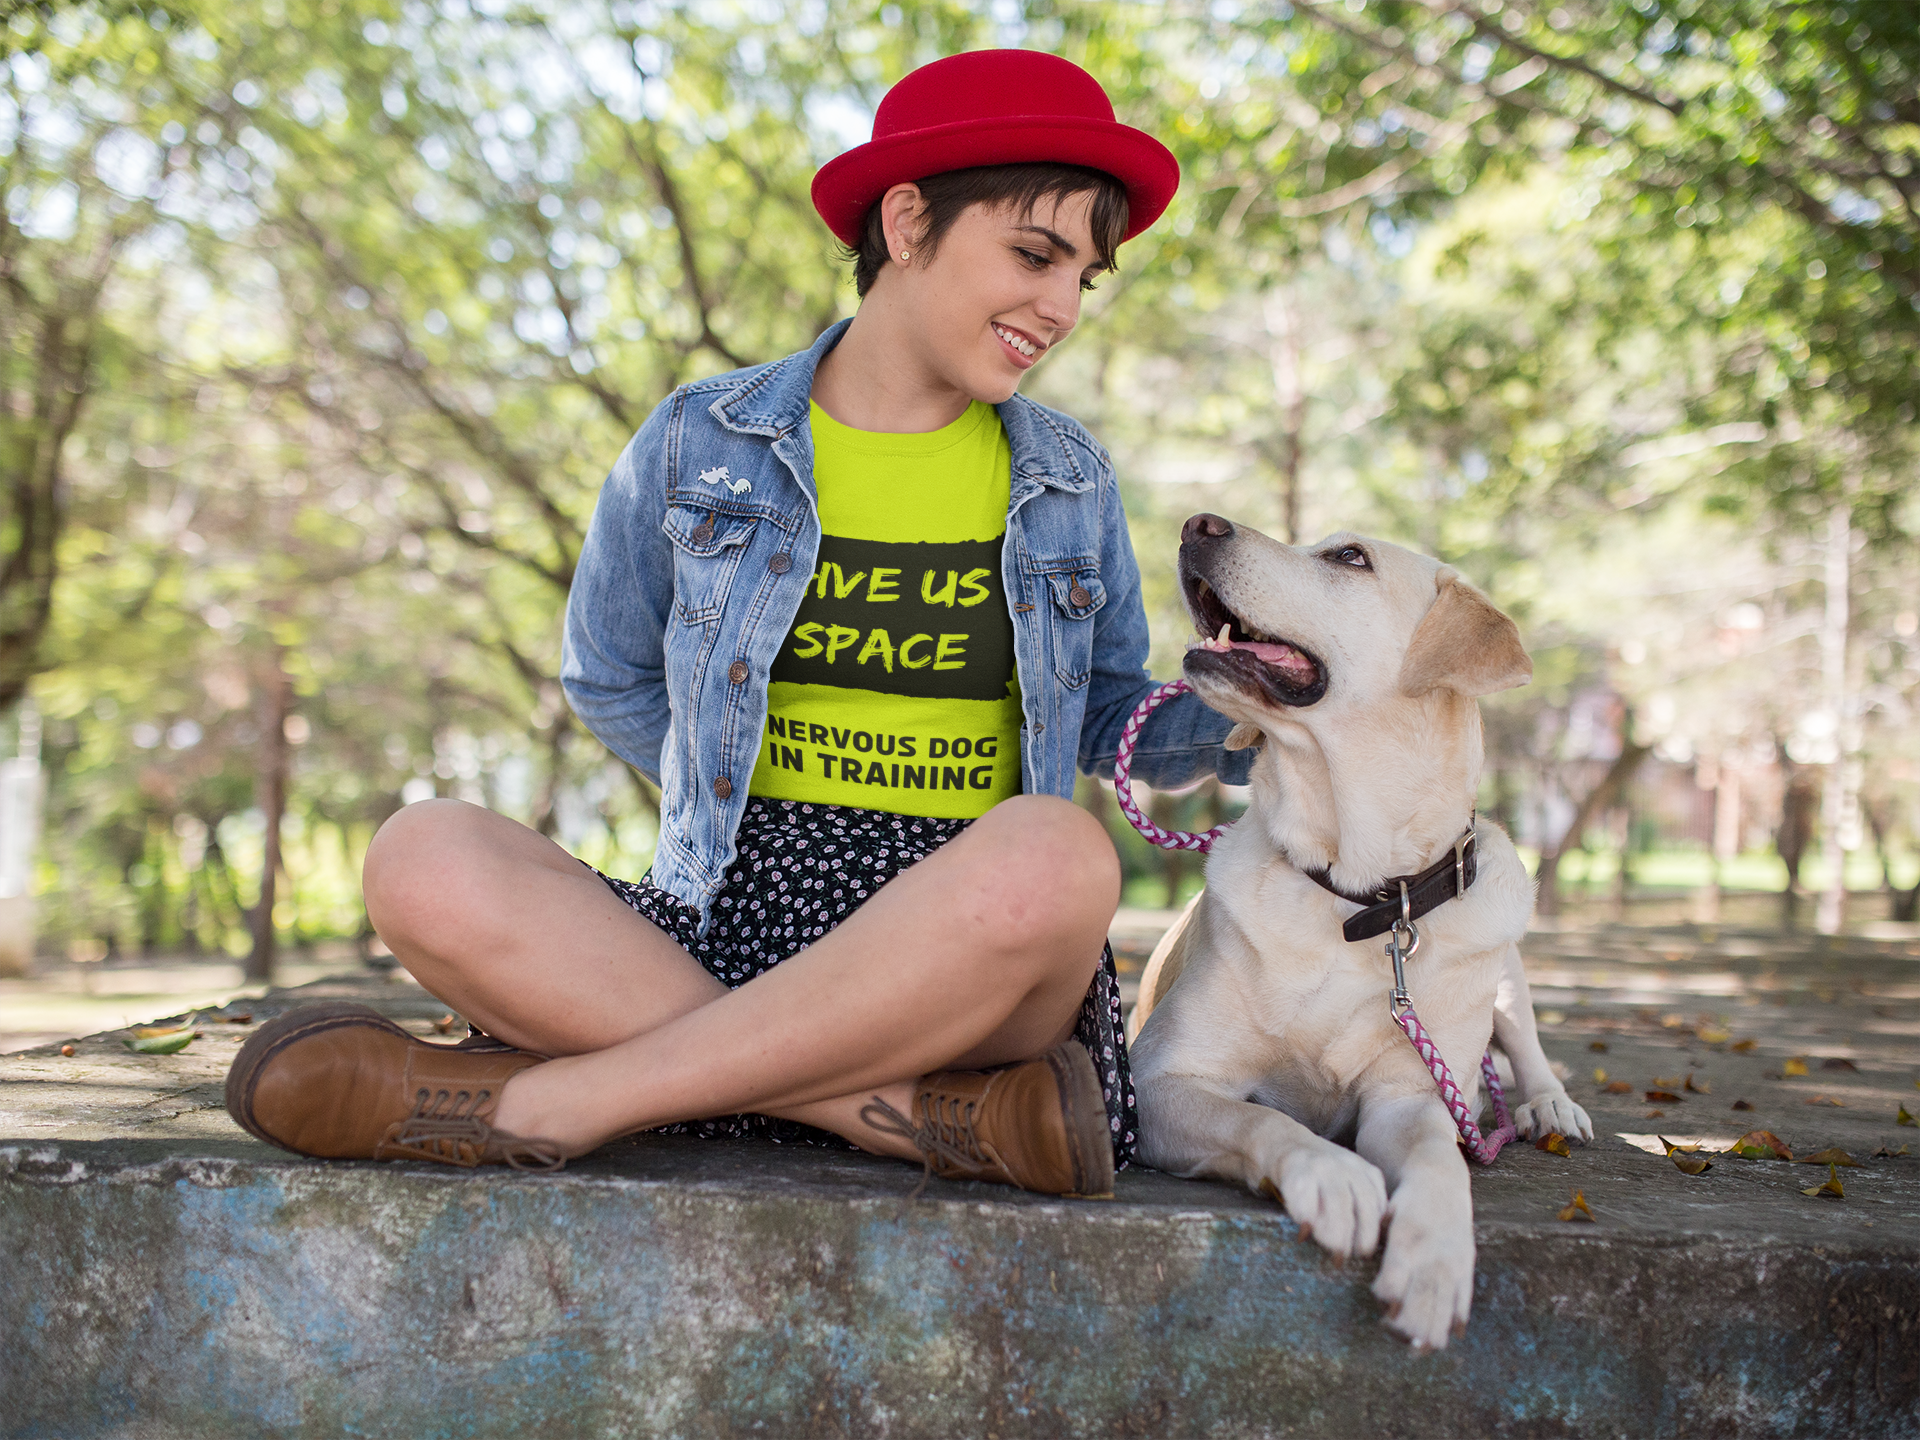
(689, 581)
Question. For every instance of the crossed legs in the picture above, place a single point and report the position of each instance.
(979, 955)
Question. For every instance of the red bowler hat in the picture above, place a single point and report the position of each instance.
(994, 107)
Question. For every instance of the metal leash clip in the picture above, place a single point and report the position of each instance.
(1403, 942)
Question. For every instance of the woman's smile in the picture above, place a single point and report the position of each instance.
(1022, 349)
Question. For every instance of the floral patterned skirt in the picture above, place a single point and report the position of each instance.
(801, 870)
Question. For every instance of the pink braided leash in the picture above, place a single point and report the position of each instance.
(1483, 1148)
(1123, 788)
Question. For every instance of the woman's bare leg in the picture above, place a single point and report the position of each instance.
(978, 955)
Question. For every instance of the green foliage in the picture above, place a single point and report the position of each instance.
(355, 304)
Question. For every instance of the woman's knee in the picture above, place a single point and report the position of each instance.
(420, 862)
(1051, 866)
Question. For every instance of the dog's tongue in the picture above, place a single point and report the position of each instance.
(1284, 658)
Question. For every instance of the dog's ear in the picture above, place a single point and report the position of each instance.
(1463, 644)
(1244, 737)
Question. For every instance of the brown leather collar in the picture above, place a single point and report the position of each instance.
(1447, 878)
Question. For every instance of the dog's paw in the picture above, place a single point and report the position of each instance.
(1337, 1198)
(1553, 1112)
(1426, 1279)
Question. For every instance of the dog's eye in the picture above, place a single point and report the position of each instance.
(1350, 555)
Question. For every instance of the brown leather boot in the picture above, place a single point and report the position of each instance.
(343, 1082)
(1040, 1125)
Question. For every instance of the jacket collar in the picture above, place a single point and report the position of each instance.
(772, 401)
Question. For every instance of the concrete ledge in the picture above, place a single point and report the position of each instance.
(163, 1275)
(680, 1288)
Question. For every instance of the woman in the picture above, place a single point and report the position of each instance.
(859, 613)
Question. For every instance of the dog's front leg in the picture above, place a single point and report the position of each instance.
(1544, 1104)
(1191, 1126)
(1426, 1275)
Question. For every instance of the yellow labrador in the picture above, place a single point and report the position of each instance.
(1264, 1043)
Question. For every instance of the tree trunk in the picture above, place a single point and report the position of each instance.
(270, 795)
(546, 810)
(1840, 798)
(1790, 841)
(60, 330)
(1623, 876)
(1597, 801)
(1901, 904)
(1290, 400)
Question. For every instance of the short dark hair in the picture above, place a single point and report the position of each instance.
(1015, 187)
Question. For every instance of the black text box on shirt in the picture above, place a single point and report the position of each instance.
(928, 621)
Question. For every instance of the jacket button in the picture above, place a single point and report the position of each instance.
(722, 788)
(780, 564)
(1079, 596)
(737, 672)
(702, 533)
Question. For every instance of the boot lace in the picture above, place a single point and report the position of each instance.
(445, 1125)
(945, 1133)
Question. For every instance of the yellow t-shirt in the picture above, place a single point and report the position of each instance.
(896, 689)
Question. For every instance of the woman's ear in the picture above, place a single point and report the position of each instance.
(1463, 644)
(900, 212)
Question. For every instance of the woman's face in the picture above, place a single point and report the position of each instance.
(1001, 289)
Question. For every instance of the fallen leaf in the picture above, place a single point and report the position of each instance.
(444, 1023)
(1742, 1105)
(1673, 1022)
(1578, 1209)
(1599, 1076)
(1711, 1035)
(1743, 1046)
(1831, 1189)
(1838, 1063)
(1661, 1097)
(1655, 1114)
(235, 1019)
(170, 1042)
(1833, 1155)
(1762, 1145)
(1687, 1147)
(1661, 1083)
(1795, 1066)
(1684, 1158)
(1883, 1153)
(1554, 1143)
(1903, 1118)
(68, 1050)
(1826, 1100)
(1619, 1087)
(1703, 1088)
(1599, 1047)
(172, 1027)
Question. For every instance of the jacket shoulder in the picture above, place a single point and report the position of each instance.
(727, 380)
(1068, 432)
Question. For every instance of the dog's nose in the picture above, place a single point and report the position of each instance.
(1203, 524)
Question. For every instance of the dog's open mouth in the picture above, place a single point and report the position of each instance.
(1234, 650)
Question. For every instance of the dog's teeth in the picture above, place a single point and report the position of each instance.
(1222, 640)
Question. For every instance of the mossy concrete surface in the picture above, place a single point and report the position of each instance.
(161, 1274)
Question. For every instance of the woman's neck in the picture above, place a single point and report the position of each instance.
(877, 379)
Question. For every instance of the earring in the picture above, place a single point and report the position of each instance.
(906, 254)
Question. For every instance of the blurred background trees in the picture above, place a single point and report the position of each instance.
(323, 320)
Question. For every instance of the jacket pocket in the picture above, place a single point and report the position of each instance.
(707, 545)
(1077, 596)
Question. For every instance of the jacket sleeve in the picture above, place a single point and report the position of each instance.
(613, 659)
(1181, 743)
